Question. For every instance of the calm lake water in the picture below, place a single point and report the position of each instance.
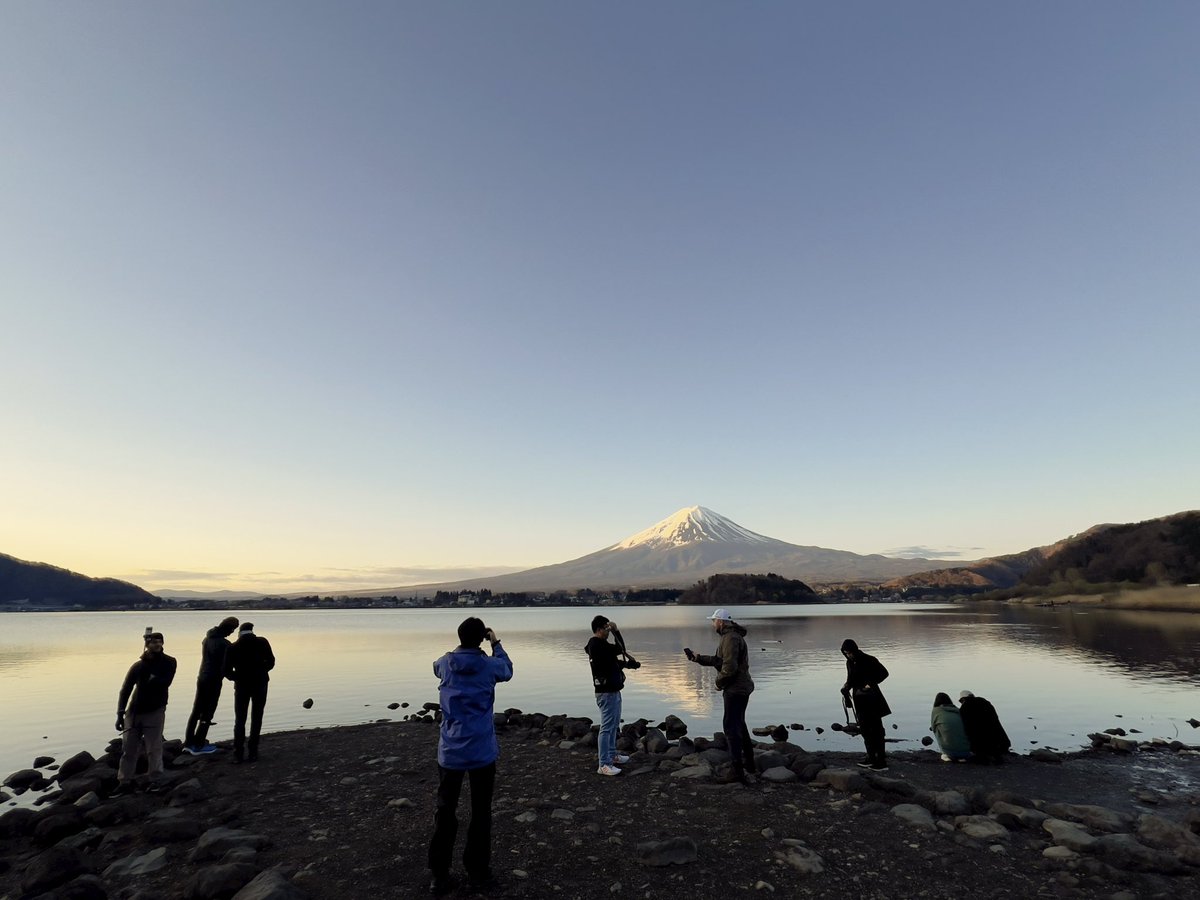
(1053, 674)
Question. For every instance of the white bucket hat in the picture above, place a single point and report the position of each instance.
(722, 614)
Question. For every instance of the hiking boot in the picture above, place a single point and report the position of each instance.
(608, 770)
(440, 885)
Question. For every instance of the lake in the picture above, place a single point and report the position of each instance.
(1053, 674)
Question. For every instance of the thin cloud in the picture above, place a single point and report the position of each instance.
(922, 552)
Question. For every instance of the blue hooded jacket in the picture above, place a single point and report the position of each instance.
(467, 694)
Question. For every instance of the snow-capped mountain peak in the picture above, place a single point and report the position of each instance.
(692, 525)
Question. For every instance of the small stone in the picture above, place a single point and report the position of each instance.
(393, 706)
(564, 815)
(400, 803)
(768, 833)
(671, 852)
(520, 873)
(308, 704)
(764, 886)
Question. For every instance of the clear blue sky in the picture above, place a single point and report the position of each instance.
(301, 293)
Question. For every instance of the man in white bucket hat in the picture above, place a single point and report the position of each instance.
(732, 659)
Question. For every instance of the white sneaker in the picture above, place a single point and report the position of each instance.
(945, 757)
(608, 770)
(620, 759)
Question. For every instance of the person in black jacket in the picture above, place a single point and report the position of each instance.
(208, 687)
(247, 663)
(863, 674)
(607, 661)
(989, 740)
(141, 712)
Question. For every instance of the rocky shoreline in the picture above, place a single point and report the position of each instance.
(347, 812)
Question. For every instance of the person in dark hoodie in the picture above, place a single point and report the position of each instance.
(467, 747)
(142, 711)
(863, 674)
(989, 740)
(247, 662)
(208, 687)
(732, 659)
(607, 661)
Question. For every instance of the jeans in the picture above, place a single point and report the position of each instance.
(610, 721)
(477, 856)
(208, 694)
(142, 728)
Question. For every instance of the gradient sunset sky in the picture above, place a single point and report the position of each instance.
(304, 295)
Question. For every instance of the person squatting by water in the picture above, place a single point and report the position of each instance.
(208, 687)
(947, 726)
(467, 746)
(141, 712)
(607, 661)
(863, 675)
(247, 662)
(732, 659)
(989, 741)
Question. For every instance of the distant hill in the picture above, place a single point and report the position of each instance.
(40, 585)
(1157, 551)
(731, 590)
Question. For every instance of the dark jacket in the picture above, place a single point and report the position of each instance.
(984, 731)
(148, 681)
(249, 659)
(733, 660)
(605, 658)
(863, 674)
(212, 655)
(467, 694)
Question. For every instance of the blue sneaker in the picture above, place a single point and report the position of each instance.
(207, 748)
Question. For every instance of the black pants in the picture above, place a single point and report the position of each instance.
(208, 694)
(252, 697)
(477, 856)
(871, 726)
(737, 735)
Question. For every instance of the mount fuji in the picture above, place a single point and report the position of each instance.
(691, 545)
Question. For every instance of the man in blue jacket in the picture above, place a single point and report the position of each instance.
(467, 746)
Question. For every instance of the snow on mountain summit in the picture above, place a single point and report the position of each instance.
(691, 525)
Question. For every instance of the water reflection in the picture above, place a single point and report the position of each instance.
(1053, 674)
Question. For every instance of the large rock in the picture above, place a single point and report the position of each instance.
(779, 775)
(1166, 835)
(915, 815)
(656, 741)
(77, 764)
(270, 885)
(220, 882)
(216, 842)
(981, 828)
(846, 780)
(56, 866)
(1012, 816)
(1125, 852)
(85, 887)
(946, 803)
(1099, 818)
(802, 859)
(574, 729)
(17, 822)
(23, 779)
(88, 839)
(674, 727)
(55, 825)
(138, 864)
(1069, 835)
(769, 759)
(897, 786)
(677, 851)
(703, 770)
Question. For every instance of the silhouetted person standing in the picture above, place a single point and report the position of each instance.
(863, 674)
(247, 663)
(467, 747)
(208, 686)
(989, 740)
(142, 710)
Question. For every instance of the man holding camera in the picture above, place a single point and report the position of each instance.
(467, 747)
(607, 662)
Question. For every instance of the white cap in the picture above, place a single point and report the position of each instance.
(964, 695)
(722, 614)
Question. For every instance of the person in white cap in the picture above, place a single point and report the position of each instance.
(732, 659)
(247, 663)
(989, 740)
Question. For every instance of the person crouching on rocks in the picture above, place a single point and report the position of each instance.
(142, 711)
(607, 660)
(947, 726)
(732, 659)
(208, 687)
(467, 747)
(989, 740)
(863, 674)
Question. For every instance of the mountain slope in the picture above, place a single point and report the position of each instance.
(39, 584)
(686, 547)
